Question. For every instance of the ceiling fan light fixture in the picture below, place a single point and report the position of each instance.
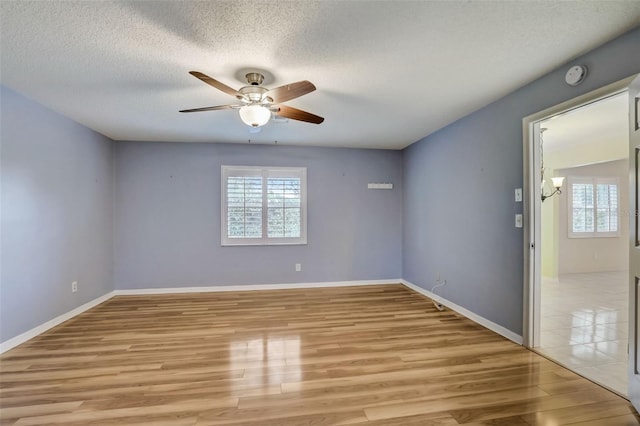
(255, 115)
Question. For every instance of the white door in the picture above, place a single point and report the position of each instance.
(634, 249)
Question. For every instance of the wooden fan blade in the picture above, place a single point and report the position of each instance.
(215, 83)
(212, 108)
(290, 91)
(298, 114)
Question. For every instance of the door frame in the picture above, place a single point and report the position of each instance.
(532, 204)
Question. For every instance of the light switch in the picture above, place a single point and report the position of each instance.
(518, 195)
(518, 221)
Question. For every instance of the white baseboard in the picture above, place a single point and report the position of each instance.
(253, 287)
(15, 341)
(467, 313)
(21, 338)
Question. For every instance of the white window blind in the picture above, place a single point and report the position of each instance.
(263, 206)
(244, 207)
(284, 199)
(593, 207)
(607, 205)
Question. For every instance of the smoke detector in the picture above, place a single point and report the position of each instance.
(575, 75)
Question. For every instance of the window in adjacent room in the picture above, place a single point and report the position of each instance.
(593, 207)
(262, 206)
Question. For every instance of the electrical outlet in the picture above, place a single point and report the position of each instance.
(437, 277)
(74, 286)
(298, 267)
(518, 195)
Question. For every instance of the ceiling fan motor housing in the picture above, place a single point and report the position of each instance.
(251, 94)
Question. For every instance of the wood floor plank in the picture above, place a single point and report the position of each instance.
(365, 355)
(328, 419)
(573, 402)
(390, 411)
(38, 409)
(626, 420)
(589, 412)
(437, 419)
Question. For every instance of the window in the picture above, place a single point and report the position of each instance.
(262, 206)
(593, 207)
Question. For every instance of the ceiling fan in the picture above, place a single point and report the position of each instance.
(257, 102)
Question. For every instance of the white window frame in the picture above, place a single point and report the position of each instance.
(265, 173)
(595, 181)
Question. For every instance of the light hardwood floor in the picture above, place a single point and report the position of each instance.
(373, 355)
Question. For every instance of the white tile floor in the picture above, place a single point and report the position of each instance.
(584, 325)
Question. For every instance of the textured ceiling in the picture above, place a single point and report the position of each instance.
(388, 72)
(604, 123)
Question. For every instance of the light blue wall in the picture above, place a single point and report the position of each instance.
(459, 191)
(451, 210)
(56, 224)
(167, 216)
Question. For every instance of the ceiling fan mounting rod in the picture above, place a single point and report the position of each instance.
(254, 78)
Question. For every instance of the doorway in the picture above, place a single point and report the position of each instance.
(584, 298)
(576, 256)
